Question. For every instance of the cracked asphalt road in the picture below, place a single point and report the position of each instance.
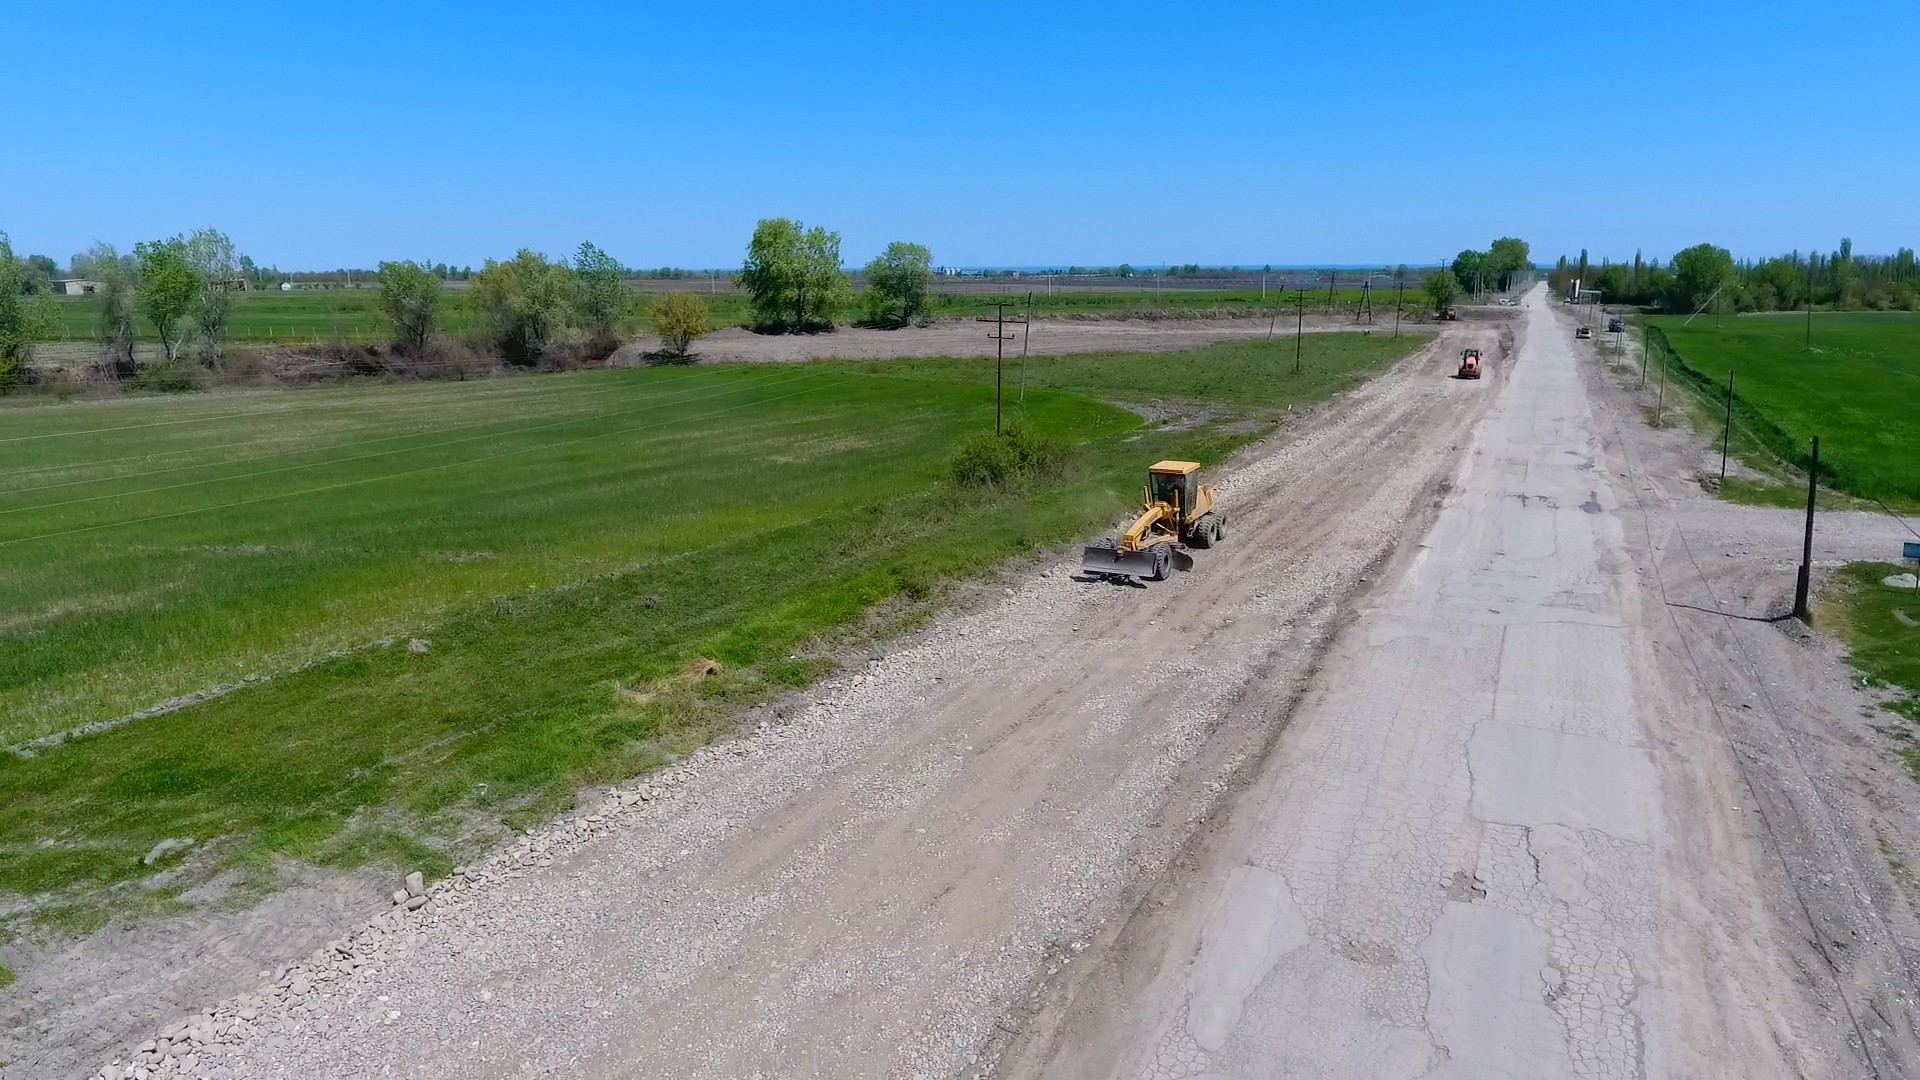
(1459, 860)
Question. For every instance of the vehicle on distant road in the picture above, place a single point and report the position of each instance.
(1584, 333)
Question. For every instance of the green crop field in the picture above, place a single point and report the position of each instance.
(354, 314)
(562, 546)
(1855, 389)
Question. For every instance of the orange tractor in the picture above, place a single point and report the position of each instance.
(1469, 364)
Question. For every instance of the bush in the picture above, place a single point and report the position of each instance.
(1007, 459)
(526, 302)
(166, 378)
(679, 319)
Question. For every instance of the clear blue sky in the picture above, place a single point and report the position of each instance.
(342, 133)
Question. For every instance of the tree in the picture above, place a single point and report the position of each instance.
(24, 319)
(601, 296)
(898, 282)
(793, 274)
(524, 302)
(1470, 269)
(37, 273)
(168, 288)
(104, 264)
(680, 318)
(1442, 287)
(1508, 256)
(410, 296)
(1697, 272)
(213, 257)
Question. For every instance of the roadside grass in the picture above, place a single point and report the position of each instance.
(562, 547)
(354, 314)
(1881, 627)
(1851, 389)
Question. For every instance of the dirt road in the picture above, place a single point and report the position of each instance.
(1508, 834)
(968, 337)
(875, 884)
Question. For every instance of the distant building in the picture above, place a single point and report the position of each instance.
(76, 286)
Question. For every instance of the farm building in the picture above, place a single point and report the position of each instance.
(76, 286)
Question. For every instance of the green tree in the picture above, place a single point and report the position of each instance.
(24, 319)
(601, 297)
(1507, 257)
(169, 288)
(899, 280)
(524, 301)
(1697, 272)
(213, 257)
(793, 275)
(37, 274)
(1442, 287)
(116, 295)
(680, 318)
(410, 296)
(1470, 269)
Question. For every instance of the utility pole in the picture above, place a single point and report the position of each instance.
(1660, 404)
(1000, 338)
(1399, 289)
(1726, 435)
(1299, 327)
(1646, 350)
(1809, 304)
(1026, 332)
(1332, 276)
(1806, 550)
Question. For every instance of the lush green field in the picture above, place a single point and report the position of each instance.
(1855, 389)
(354, 315)
(563, 544)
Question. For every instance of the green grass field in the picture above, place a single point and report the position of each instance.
(564, 544)
(1854, 389)
(354, 315)
(1881, 626)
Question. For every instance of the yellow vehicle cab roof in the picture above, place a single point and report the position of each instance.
(1175, 468)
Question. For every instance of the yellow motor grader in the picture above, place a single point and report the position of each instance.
(1177, 512)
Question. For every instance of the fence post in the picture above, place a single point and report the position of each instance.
(1801, 586)
(1726, 436)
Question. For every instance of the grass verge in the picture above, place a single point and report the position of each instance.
(442, 609)
(1881, 627)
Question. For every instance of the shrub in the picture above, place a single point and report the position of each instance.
(898, 281)
(166, 377)
(1007, 459)
(526, 302)
(679, 319)
(410, 297)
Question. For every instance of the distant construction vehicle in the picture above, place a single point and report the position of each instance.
(1469, 364)
(1177, 512)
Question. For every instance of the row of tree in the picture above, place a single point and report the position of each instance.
(529, 303)
(1496, 269)
(1709, 275)
(793, 275)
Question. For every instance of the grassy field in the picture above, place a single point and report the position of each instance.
(1851, 389)
(354, 315)
(562, 545)
(1881, 626)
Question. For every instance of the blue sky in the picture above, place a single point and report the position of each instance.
(342, 133)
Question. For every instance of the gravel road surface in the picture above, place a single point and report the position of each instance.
(1507, 835)
(883, 880)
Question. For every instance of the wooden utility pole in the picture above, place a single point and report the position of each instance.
(1000, 337)
(1805, 581)
(1299, 327)
(1726, 434)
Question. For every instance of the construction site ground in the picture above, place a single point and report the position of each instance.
(1469, 753)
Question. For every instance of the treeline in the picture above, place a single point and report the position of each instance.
(1706, 275)
(533, 311)
(1495, 269)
